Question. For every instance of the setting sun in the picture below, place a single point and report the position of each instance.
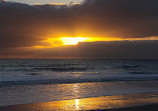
(63, 41)
(51, 42)
(73, 40)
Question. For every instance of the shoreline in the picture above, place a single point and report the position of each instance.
(130, 102)
(58, 92)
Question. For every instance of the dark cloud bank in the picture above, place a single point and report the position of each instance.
(22, 25)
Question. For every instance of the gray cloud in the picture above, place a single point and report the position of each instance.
(23, 25)
(120, 50)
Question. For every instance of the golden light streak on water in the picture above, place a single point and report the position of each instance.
(77, 103)
(95, 103)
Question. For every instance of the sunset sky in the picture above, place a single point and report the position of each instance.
(89, 29)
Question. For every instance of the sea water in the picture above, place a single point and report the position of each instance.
(40, 80)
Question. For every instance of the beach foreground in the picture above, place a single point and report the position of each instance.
(152, 107)
(132, 102)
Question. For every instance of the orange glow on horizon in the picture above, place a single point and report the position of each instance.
(65, 41)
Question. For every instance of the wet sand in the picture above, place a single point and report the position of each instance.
(132, 102)
(24, 94)
(151, 107)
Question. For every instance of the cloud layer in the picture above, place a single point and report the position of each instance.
(23, 25)
(92, 50)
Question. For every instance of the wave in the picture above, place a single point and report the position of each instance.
(141, 72)
(61, 69)
(69, 81)
(28, 72)
(131, 66)
(56, 69)
(34, 74)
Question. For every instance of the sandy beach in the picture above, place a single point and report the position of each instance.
(152, 107)
(132, 102)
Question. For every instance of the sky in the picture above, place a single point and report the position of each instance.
(32, 2)
(93, 29)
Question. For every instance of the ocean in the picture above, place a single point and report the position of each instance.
(42, 80)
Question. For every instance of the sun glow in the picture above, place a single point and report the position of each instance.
(51, 42)
(65, 41)
(73, 40)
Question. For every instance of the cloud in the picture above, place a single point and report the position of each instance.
(119, 50)
(22, 25)
(124, 18)
(92, 50)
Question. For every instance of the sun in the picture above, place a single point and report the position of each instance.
(72, 40)
(51, 42)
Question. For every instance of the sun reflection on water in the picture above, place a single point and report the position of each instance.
(95, 103)
(77, 103)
